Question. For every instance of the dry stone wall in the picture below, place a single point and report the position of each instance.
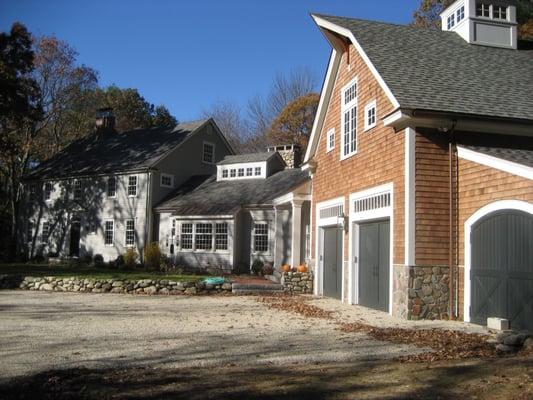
(297, 282)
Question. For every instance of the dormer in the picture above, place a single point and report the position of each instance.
(250, 166)
(483, 22)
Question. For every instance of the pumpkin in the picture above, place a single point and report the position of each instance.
(302, 268)
(286, 268)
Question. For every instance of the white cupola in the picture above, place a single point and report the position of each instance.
(485, 22)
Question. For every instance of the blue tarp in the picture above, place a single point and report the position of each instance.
(214, 281)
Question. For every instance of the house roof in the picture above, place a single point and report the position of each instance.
(204, 195)
(439, 71)
(101, 153)
(523, 156)
(246, 158)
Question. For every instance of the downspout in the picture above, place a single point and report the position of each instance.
(451, 294)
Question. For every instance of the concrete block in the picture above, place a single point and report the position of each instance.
(499, 324)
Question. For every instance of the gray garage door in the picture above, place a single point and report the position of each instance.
(502, 268)
(374, 265)
(332, 262)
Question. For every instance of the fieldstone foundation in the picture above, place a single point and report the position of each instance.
(297, 282)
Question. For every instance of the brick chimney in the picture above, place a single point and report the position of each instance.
(105, 120)
(291, 154)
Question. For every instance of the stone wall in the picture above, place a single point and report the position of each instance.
(400, 291)
(297, 282)
(144, 286)
(428, 293)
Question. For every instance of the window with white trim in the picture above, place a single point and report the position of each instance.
(77, 189)
(460, 14)
(203, 236)
(482, 10)
(233, 173)
(499, 12)
(260, 237)
(186, 236)
(132, 186)
(249, 171)
(349, 120)
(370, 115)
(167, 180)
(130, 233)
(451, 21)
(240, 172)
(224, 173)
(48, 188)
(257, 171)
(45, 232)
(109, 232)
(111, 186)
(208, 153)
(330, 145)
(221, 236)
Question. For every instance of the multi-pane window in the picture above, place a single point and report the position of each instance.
(45, 232)
(167, 180)
(249, 171)
(132, 186)
(482, 10)
(260, 237)
(460, 14)
(77, 190)
(349, 120)
(109, 233)
(203, 236)
(29, 232)
(370, 115)
(233, 173)
(173, 229)
(499, 12)
(330, 139)
(257, 171)
(240, 172)
(451, 21)
(130, 232)
(208, 155)
(111, 186)
(186, 236)
(33, 192)
(224, 173)
(221, 236)
(48, 190)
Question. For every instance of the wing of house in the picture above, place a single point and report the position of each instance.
(421, 162)
(97, 195)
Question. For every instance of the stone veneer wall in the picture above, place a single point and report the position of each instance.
(297, 282)
(400, 291)
(144, 286)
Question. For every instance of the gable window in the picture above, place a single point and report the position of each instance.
(132, 186)
(109, 232)
(232, 173)
(33, 192)
(460, 14)
(451, 21)
(260, 237)
(249, 171)
(111, 186)
(499, 12)
(349, 120)
(241, 172)
(208, 155)
(224, 173)
(257, 171)
(167, 180)
(130, 232)
(482, 10)
(221, 236)
(48, 191)
(203, 236)
(330, 145)
(370, 115)
(77, 190)
(186, 236)
(45, 232)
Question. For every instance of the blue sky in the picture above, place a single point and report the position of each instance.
(189, 54)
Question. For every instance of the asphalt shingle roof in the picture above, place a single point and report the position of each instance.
(517, 155)
(114, 152)
(437, 70)
(245, 158)
(203, 195)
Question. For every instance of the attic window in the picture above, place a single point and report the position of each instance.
(249, 171)
(482, 10)
(451, 21)
(460, 14)
(167, 180)
(208, 155)
(241, 172)
(257, 171)
(499, 12)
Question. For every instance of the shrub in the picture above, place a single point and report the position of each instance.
(119, 261)
(257, 267)
(87, 259)
(98, 260)
(267, 269)
(130, 258)
(152, 256)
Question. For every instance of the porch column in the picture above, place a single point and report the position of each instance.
(296, 249)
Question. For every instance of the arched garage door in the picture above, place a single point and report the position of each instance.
(502, 268)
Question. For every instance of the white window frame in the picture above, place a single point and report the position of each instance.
(484, 4)
(126, 231)
(493, 13)
(114, 179)
(261, 222)
(345, 108)
(112, 233)
(213, 223)
(240, 171)
(136, 185)
(371, 106)
(330, 140)
(460, 14)
(217, 234)
(170, 176)
(204, 153)
(77, 190)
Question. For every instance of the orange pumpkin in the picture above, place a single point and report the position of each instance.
(302, 268)
(286, 268)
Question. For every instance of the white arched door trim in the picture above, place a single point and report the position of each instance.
(479, 214)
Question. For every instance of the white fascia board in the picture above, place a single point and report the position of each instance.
(495, 162)
(396, 118)
(287, 198)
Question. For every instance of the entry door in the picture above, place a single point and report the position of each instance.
(502, 268)
(374, 265)
(75, 228)
(332, 262)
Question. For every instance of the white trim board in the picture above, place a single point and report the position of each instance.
(482, 212)
(410, 197)
(495, 162)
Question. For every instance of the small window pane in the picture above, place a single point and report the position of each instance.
(130, 232)
(109, 232)
(132, 186)
(260, 237)
(111, 186)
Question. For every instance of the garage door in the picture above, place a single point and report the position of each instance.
(502, 268)
(374, 265)
(332, 262)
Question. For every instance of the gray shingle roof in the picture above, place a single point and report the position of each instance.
(245, 158)
(516, 155)
(437, 70)
(205, 196)
(114, 152)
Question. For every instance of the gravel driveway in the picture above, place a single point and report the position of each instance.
(41, 331)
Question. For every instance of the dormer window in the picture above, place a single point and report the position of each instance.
(460, 14)
(257, 171)
(249, 171)
(451, 21)
(241, 172)
(482, 10)
(233, 173)
(499, 12)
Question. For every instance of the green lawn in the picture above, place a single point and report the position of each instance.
(84, 271)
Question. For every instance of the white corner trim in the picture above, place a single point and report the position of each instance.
(410, 197)
(495, 162)
(469, 223)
